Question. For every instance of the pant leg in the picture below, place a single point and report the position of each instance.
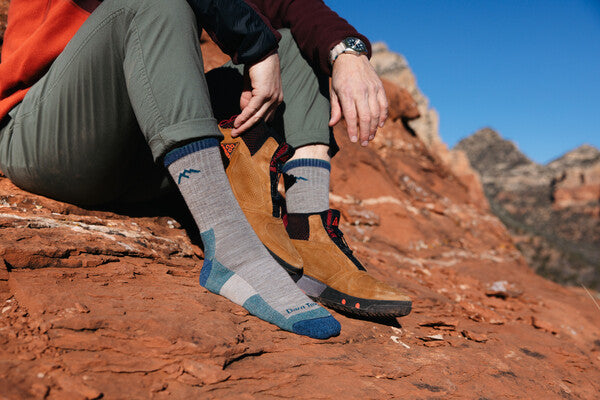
(128, 87)
(304, 115)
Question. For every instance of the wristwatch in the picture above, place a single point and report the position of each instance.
(349, 45)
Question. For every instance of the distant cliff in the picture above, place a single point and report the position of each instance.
(552, 210)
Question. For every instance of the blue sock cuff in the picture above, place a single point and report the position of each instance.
(306, 162)
(189, 148)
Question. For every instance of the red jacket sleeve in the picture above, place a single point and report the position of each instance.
(315, 27)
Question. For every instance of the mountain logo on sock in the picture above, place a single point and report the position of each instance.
(186, 174)
(228, 148)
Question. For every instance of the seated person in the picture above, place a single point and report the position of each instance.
(96, 98)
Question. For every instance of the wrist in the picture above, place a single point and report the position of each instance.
(272, 53)
(347, 61)
(335, 52)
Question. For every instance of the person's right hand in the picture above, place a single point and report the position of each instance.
(262, 93)
(357, 94)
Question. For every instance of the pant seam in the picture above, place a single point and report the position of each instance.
(150, 96)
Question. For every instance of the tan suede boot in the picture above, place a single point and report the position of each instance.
(333, 276)
(251, 177)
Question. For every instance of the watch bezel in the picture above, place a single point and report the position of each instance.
(355, 44)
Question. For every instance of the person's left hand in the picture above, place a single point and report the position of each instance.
(262, 93)
(357, 93)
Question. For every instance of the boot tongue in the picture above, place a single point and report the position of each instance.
(254, 137)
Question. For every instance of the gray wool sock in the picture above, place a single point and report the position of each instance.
(236, 264)
(306, 185)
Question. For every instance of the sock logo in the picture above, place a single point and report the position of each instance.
(228, 148)
(305, 307)
(301, 178)
(186, 174)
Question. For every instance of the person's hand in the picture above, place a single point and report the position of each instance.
(357, 93)
(262, 93)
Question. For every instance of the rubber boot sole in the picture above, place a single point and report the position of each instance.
(337, 300)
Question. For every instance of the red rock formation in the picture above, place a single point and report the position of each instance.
(581, 195)
(97, 304)
(578, 185)
(401, 103)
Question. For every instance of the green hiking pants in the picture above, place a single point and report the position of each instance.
(129, 87)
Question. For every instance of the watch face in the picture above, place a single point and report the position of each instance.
(355, 44)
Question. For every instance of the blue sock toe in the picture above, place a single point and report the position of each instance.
(318, 328)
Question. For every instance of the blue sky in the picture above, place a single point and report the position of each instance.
(529, 69)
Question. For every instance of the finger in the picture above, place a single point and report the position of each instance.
(246, 125)
(271, 111)
(247, 114)
(274, 107)
(349, 111)
(267, 108)
(253, 106)
(253, 119)
(364, 120)
(336, 110)
(383, 106)
(245, 98)
(374, 108)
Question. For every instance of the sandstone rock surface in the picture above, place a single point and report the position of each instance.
(99, 304)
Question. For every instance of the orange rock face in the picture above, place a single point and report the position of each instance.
(98, 304)
(401, 103)
(577, 187)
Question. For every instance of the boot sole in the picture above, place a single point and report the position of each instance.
(337, 300)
